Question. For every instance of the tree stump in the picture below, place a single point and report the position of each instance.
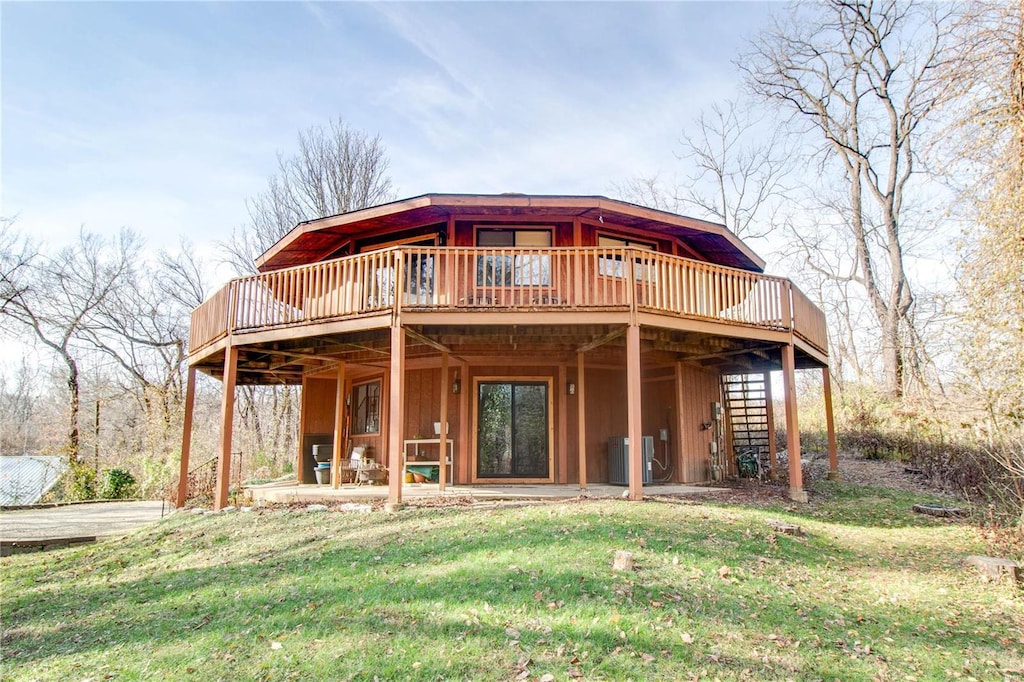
(623, 561)
(996, 569)
(785, 528)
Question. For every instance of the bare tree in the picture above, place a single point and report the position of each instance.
(61, 298)
(335, 170)
(16, 255)
(743, 166)
(736, 171)
(861, 77)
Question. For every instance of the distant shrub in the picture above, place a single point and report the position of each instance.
(118, 484)
(80, 482)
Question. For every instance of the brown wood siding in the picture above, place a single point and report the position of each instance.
(422, 409)
(318, 403)
(606, 417)
(659, 413)
(699, 390)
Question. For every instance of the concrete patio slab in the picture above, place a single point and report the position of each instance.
(292, 492)
(62, 526)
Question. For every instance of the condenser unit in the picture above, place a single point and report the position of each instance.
(618, 460)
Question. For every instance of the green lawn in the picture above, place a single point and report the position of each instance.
(873, 591)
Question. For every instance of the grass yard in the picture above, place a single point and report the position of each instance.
(872, 592)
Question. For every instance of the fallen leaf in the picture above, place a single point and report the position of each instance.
(647, 658)
(512, 632)
(275, 645)
(687, 638)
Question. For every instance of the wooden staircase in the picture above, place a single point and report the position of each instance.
(746, 406)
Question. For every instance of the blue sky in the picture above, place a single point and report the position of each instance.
(165, 117)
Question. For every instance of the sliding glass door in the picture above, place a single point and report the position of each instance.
(512, 430)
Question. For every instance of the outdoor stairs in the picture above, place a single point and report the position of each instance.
(746, 409)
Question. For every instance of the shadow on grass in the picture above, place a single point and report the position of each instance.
(451, 591)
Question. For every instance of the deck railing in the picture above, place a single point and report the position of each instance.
(454, 278)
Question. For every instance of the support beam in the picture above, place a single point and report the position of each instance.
(427, 341)
(772, 449)
(680, 427)
(186, 438)
(796, 480)
(634, 414)
(581, 419)
(561, 459)
(300, 469)
(830, 426)
(610, 336)
(396, 417)
(442, 470)
(227, 418)
(339, 428)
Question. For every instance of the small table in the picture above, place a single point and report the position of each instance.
(416, 443)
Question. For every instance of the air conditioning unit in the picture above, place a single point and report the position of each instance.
(618, 460)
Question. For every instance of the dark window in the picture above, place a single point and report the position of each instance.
(512, 430)
(366, 408)
(513, 269)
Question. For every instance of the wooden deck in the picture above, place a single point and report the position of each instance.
(375, 285)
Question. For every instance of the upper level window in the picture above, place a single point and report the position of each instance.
(612, 266)
(513, 269)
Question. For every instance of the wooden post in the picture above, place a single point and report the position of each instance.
(227, 417)
(396, 417)
(682, 475)
(833, 450)
(186, 437)
(339, 428)
(300, 470)
(634, 418)
(561, 459)
(581, 420)
(465, 437)
(772, 449)
(442, 470)
(796, 481)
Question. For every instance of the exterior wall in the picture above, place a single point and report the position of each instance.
(699, 390)
(317, 420)
(680, 411)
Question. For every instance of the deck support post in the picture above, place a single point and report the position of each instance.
(773, 454)
(227, 418)
(396, 417)
(442, 457)
(186, 438)
(581, 420)
(830, 427)
(634, 414)
(796, 480)
(339, 428)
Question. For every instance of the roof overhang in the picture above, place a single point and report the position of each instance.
(314, 240)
